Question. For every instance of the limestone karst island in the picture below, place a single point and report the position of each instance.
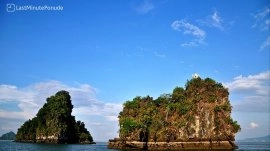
(197, 116)
(55, 124)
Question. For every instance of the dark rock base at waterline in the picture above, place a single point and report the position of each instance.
(51, 142)
(225, 145)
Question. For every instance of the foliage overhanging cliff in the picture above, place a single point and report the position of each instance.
(199, 112)
(54, 123)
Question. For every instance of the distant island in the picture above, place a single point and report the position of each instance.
(257, 139)
(195, 117)
(8, 136)
(55, 124)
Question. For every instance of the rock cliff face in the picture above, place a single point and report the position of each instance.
(54, 123)
(200, 112)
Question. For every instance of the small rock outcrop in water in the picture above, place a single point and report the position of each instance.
(194, 117)
(54, 123)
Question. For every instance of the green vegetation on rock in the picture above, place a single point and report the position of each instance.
(54, 123)
(199, 112)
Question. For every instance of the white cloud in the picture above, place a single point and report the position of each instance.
(145, 7)
(108, 110)
(258, 83)
(262, 20)
(214, 20)
(253, 125)
(217, 21)
(31, 98)
(251, 93)
(193, 43)
(266, 43)
(189, 29)
(251, 104)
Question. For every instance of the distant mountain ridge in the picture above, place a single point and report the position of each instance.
(258, 139)
(8, 136)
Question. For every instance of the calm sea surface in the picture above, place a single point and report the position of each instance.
(14, 146)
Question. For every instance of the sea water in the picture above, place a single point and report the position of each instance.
(102, 146)
(254, 146)
(15, 146)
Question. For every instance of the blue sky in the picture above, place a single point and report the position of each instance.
(107, 52)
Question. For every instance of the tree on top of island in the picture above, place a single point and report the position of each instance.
(54, 123)
(200, 112)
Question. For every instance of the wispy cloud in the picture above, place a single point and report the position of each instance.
(262, 20)
(31, 98)
(251, 93)
(217, 21)
(266, 43)
(145, 7)
(189, 29)
(193, 43)
(214, 20)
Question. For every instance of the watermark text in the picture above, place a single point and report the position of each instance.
(13, 7)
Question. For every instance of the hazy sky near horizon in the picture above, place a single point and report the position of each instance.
(105, 52)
